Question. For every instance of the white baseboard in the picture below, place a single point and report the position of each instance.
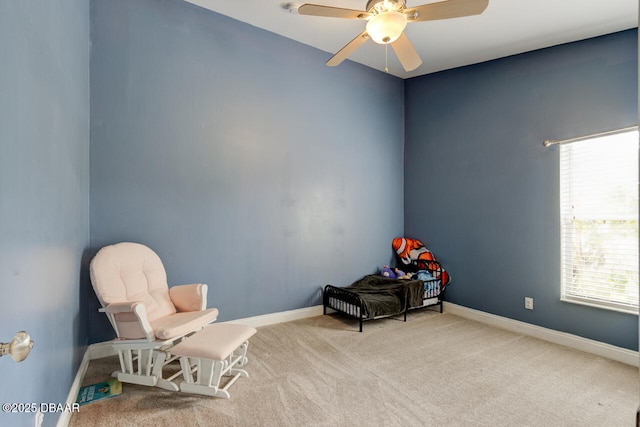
(598, 348)
(65, 416)
(283, 316)
(94, 351)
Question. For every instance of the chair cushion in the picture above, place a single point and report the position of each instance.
(131, 272)
(181, 323)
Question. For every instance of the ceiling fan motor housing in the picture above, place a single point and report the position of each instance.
(379, 6)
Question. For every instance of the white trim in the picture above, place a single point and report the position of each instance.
(94, 351)
(604, 305)
(283, 316)
(598, 348)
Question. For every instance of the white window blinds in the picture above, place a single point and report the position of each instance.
(599, 221)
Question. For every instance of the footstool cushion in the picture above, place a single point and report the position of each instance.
(214, 342)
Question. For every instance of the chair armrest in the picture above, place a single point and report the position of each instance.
(120, 307)
(130, 320)
(189, 297)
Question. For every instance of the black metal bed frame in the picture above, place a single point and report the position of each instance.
(351, 303)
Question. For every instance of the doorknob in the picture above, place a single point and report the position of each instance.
(18, 348)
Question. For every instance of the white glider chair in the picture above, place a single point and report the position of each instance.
(149, 317)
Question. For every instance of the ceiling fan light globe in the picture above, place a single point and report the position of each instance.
(386, 27)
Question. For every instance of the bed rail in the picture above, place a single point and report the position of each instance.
(344, 301)
(350, 303)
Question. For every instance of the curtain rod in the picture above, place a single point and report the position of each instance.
(548, 142)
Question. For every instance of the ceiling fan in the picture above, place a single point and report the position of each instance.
(386, 21)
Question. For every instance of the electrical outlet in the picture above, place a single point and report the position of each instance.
(528, 303)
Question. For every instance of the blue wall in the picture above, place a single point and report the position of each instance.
(239, 157)
(482, 191)
(44, 196)
(248, 164)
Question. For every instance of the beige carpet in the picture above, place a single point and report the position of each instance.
(434, 370)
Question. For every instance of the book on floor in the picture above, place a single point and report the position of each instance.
(99, 391)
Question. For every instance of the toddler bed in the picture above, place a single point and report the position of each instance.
(375, 296)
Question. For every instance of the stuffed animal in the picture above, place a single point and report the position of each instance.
(412, 252)
(387, 272)
(394, 273)
(402, 275)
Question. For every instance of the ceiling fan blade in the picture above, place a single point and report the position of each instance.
(332, 12)
(406, 53)
(348, 49)
(445, 10)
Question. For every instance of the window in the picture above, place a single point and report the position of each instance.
(599, 220)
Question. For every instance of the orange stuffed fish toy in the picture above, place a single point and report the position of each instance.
(413, 252)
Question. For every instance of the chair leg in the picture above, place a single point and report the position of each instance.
(143, 369)
(159, 361)
(208, 379)
(210, 373)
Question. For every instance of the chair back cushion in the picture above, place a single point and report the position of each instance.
(127, 272)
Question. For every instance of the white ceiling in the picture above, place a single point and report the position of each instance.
(505, 28)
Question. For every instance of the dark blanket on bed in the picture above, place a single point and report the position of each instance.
(382, 296)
